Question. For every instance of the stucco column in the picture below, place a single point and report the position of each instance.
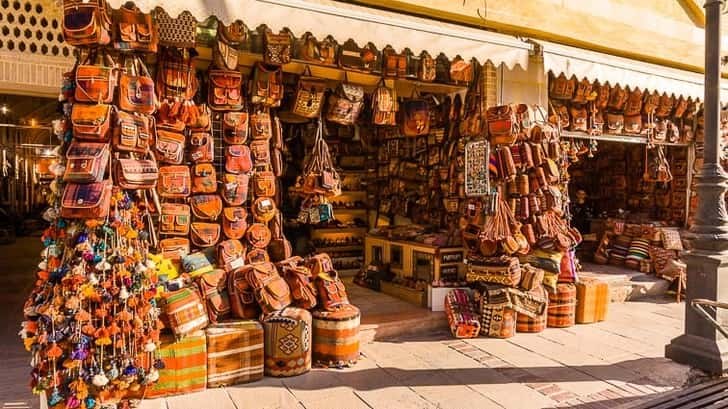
(701, 345)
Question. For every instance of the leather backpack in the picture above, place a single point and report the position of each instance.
(206, 207)
(234, 188)
(176, 78)
(234, 222)
(300, 281)
(345, 104)
(270, 290)
(133, 132)
(175, 219)
(561, 87)
(204, 178)
(175, 182)
(202, 147)
(96, 83)
(230, 254)
(86, 23)
(86, 162)
(501, 125)
(242, 297)
(204, 234)
(238, 159)
(384, 105)
(309, 96)
(331, 291)
(279, 248)
(277, 48)
(321, 52)
(136, 173)
(136, 88)
(91, 122)
(415, 117)
(134, 30)
(235, 126)
(225, 90)
(170, 145)
(213, 291)
(266, 87)
(633, 106)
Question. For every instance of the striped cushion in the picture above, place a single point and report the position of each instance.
(639, 249)
(185, 366)
(234, 353)
(184, 311)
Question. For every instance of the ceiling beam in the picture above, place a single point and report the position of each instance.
(694, 11)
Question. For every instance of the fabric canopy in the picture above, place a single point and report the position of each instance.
(345, 21)
(616, 70)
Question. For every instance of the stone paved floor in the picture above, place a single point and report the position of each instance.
(617, 362)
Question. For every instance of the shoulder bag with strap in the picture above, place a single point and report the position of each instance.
(266, 87)
(133, 132)
(271, 291)
(300, 281)
(86, 162)
(96, 83)
(91, 122)
(136, 88)
(175, 219)
(345, 104)
(86, 23)
(135, 30)
(225, 92)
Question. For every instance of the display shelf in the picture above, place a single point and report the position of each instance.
(339, 248)
(341, 230)
(618, 138)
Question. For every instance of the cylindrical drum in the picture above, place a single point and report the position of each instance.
(562, 306)
(234, 353)
(526, 324)
(336, 337)
(287, 342)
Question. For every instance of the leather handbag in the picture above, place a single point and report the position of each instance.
(86, 23)
(261, 126)
(395, 65)
(426, 71)
(206, 207)
(664, 109)
(204, 178)
(201, 118)
(264, 183)
(263, 209)
(213, 291)
(95, 83)
(202, 148)
(242, 299)
(617, 98)
(353, 57)
(234, 33)
(384, 105)
(603, 92)
(176, 78)
(133, 132)
(615, 123)
(461, 71)
(309, 96)
(225, 92)
(652, 101)
(260, 152)
(234, 222)
(501, 125)
(277, 163)
(258, 235)
(266, 87)
(225, 55)
(134, 30)
(416, 117)
(91, 122)
(321, 52)
(204, 234)
(279, 248)
(235, 127)
(174, 182)
(277, 48)
(175, 32)
(175, 219)
(230, 254)
(237, 159)
(271, 291)
(633, 106)
(561, 87)
(169, 147)
(633, 124)
(300, 281)
(234, 190)
(136, 173)
(86, 162)
(583, 92)
(175, 248)
(256, 255)
(331, 290)
(578, 119)
(136, 88)
(345, 104)
(86, 201)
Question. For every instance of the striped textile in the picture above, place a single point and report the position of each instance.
(497, 320)
(462, 318)
(562, 306)
(185, 366)
(639, 249)
(336, 336)
(234, 353)
(185, 311)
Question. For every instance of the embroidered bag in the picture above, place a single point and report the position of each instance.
(206, 207)
(175, 219)
(86, 23)
(134, 30)
(271, 291)
(234, 222)
(346, 104)
(86, 162)
(184, 310)
(321, 52)
(174, 181)
(91, 122)
(204, 178)
(309, 96)
(230, 254)
(237, 159)
(234, 190)
(277, 48)
(197, 263)
(225, 93)
(95, 83)
(169, 146)
(266, 87)
(86, 201)
(136, 173)
(202, 148)
(235, 127)
(136, 88)
(204, 234)
(132, 132)
(461, 71)
(175, 32)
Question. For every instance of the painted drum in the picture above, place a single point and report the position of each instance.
(287, 342)
(562, 306)
(336, 336)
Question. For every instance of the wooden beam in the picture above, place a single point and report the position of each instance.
(694, 11)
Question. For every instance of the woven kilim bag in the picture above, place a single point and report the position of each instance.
(287, 342)
(185, 311)
(461, 316)
(185, 366)
(496, 270)
(497, 320)
(336, 336)
(531, 277)
(562, 306)
(527, 324)
(234, 353)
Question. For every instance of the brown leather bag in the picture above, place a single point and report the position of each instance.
(345, 105)
(133, 133)
(266, 87)
(260, 152)
(225, 92)
(234, 222)
(204, 178)
(277, 48)
(86, 162)
(86, 23)
(95, 83)
(583, 92)
(202, 148)
(603, 93)
(416, 117)
(664, 109)
(169, 146)
(561, 87)
(263, 209)
(174, 219)
(86, 201)
(501, 125)
(174, 181)
(91, 122)
(321, 52)
(395, 65)
(230, 254)
(136, 88)
(652, 101)
(309, 98)
(174, 248)
(213, 291)
(204, 234)
(617, 98)
(261, 126)
(299, 280)
(238, 159)
(176, 78)
(461, 71)
(264, 183)
(258, 235)
(331, 290)
(271, 291)
(235, 127)
(634, 103)
(615, 123)
(135, 31)
(206, 207)
(279, 248)
(578, 118)
(234, 188)
(136, 173)
(242, 299)
(633, 124)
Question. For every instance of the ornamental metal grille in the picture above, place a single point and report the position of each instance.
(32, 27)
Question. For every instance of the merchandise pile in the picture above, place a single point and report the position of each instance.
(161, 272)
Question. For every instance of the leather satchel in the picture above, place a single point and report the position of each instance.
(384, 105)
(652, 101)
(633, 124)
(353, 57)
(260, 152)
(615, 123)
(91, 122)
(264, 183)
(169, 147)
(427, 69)
(266, 87)
(617, 98)
(204, 234)
(258, 235)
(461, 71)
(175, 219)
(501, 125)
(603, 93)
(136, 173)
(213, 291)
(235, 128)
(331, 290)
(230, 254)
(309, 97)
(583, 92)
(174, 248)
(225, 55)
(321, 52)
(416, 121)
(237, 159)
(664, 109)
(134, 30)
(175, 32)
(263, 209)
(242, 299)
(561, 87)
(224, 92)
(234, 190)
(634, 103)
(86, 23)
(395, 65)
(136, 89)
(86, 201)
(204, 178)
(277, 48)
(176, 78)
(271, 291)
(95, 84)
(256, 255)
(174, 182)
(300, 281)
(578, 119)
(206, 207)
(202, 148)
(132, 132)
(234, 222)
(261, 126)
(86, 162)
(345, 104)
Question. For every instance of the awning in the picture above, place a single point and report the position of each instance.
(345, 21)
(617, 70)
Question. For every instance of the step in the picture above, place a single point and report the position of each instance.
(624, 284)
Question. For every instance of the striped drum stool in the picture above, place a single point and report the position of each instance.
(234, 353)
(562, 306)
(336, 337)
(287, 342)
(526, 324)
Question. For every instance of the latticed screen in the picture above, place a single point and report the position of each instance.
(32, 27)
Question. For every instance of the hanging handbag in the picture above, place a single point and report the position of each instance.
(426, 71)
(204, 234)
(235, 127)
(561, 87)
(258, 235)
(176, 78)
(86, 162)
(300, 281)
(416, 121)
(174, 181)
(175, 32)
(225, 54)
(91, 122)
(309, 95)
(174, 248)
(266, 87)
(136, 88)
(319, 174)
(615, 123)
(277, 48)
(652, 101)
(583, 92)
(384, 105)
(133, 132)
(86, 23)
(279, 248)
(664, 109)
(578, 119)
(175, 219)
(345, 104)
(633, 106)
(230, 254)
(134, 30)
(95, 83)
(271, 291)
(213, 290)
(501, 125)
(169, 146)
(633, 124)
(234, 190)
(617, 98)
(206, 207)
(224, 92)
(263, 209)
(204, 178)
(136, 173)
(234, 222)
(461, 71)
(395, 65)
(264, 183)
(321, 52)
(242, 299)
(603, 93)
(261, 127)
(201, 147)
(86, 201)
(260, 152)
(237, 159)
